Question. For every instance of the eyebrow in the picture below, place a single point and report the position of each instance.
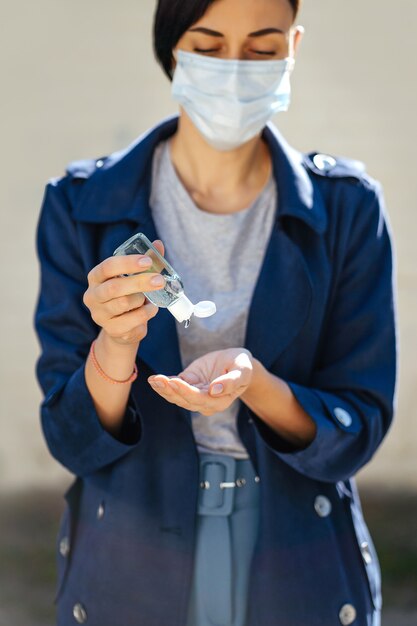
(215, 33)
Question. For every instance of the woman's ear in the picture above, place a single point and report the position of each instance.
(298, 33)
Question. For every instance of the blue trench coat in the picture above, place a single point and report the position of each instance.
(322, 317)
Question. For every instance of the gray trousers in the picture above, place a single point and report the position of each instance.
(227, 528)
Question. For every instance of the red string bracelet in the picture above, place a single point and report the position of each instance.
(103, 374)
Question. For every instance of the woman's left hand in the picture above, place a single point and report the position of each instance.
(210, 383)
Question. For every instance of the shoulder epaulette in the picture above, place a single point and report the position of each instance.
(334, 167)
(84, 168)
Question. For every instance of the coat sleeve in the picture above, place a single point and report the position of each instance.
(352, 393)
(65, 330)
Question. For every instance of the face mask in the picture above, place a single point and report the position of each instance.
(230, 101)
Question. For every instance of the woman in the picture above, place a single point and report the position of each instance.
(214, 464)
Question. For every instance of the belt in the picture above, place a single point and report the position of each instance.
(224, 482)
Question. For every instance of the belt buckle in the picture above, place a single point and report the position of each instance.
(217, 485)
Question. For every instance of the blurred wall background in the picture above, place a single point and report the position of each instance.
(79, 80)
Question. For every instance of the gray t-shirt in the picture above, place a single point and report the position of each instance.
(218, 258)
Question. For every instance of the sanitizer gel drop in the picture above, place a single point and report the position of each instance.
(171, 296)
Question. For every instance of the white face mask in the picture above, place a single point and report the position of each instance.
(228, 100)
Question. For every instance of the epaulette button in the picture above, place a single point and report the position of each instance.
(324, 162)
(99, 163)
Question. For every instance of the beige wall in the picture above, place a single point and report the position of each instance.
(79, 80)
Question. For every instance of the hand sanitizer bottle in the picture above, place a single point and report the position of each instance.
(171, 296)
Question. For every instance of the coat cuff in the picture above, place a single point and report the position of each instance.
(338, 426)
(73, 430)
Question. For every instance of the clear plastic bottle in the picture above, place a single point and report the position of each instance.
(172, 295)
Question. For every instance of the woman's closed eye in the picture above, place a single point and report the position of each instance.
(265, 52)
(261, 52)
(207, 50)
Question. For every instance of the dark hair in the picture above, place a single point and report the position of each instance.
(173, 18)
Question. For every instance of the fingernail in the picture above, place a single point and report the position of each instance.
(145, 261)
(174, 386)
(156, 383)
(217, 388)
(157, 280)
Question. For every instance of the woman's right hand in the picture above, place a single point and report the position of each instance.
(117, 303)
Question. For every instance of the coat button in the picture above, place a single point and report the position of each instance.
(64, 546)
(343, 416)
(366, 552)
(323, 506)
(99, 163)
(100, 511)
(79, 613)
(324, 162)
(347, 614)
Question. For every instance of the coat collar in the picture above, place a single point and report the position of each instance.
(118, 187)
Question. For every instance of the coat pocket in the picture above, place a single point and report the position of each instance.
(365, 544)
(66, 535)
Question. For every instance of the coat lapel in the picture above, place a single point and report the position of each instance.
(284, 291)
(283, 294)
(281, 301)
